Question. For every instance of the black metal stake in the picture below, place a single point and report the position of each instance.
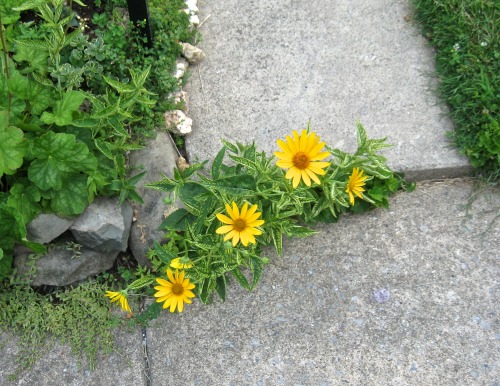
(138, 12)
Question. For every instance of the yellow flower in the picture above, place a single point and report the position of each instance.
(240, 225)
(181, 263)
(355, 184)
(120, 297)
(301, 156)
(175, 291)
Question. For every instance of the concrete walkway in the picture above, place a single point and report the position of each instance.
(404, 296)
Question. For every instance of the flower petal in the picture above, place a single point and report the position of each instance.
(224, 219)
(305, 178)
(224, 229)
(236, 211)
(230, 235)
(313, 176)
(236, 238)
(284, 164)
(320, 156)
(284, 146)
(244, 210)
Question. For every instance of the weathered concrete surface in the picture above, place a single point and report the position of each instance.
(57, 366)
(273, 65)
(405, 296)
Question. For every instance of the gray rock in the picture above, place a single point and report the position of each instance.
(46, 227)
(61, 266)
(193, 54)
(104, 226)
(158, 158)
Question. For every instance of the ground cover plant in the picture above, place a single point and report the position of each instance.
(467, 40)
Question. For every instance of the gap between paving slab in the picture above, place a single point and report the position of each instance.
(273, 65)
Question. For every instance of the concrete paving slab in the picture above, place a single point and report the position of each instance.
(405, 296)
(57, 366)
(273, 65)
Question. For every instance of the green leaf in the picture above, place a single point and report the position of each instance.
(119, 86)
(139, 80)
(243, 184)
(57, 156)
(8, 11)
(37, 57)
(230, 146)
(13, 148)
(220, 287)
(4, 120)
(106, 148)
(165, 185)
(245, 162)
(72, 198)
(256, 266)
(62, 113)
(277, 237)
(361, 134)
(35, 247)
(26, 201)
(177, 220)
(191, 194)
(299, 231)
(205, 289)
(217, 163)
(164, 255)
(31, 4)
(241, 278)
(12, 227)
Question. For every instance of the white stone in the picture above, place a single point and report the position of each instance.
(193, 54)
(181, 68)
(194, 20)
(178, 122)
(192, 5)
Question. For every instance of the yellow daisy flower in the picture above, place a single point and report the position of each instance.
(355, 184)
(240, 225)
(301, 156)
(119, 297)
(175, 291)
(181, 263)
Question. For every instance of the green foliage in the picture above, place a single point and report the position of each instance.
(36, 317)
(465, 35)
(124, 47)
(62, 141)
(251, 176)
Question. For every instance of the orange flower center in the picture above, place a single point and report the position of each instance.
(301, 160)
(239, 224)
(177, 289)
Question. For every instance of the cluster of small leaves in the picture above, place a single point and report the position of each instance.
(125, 47)
(253, 177)
(60, 143)
(467, 41)
(37, 319)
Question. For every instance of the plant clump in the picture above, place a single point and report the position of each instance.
(233, 211)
